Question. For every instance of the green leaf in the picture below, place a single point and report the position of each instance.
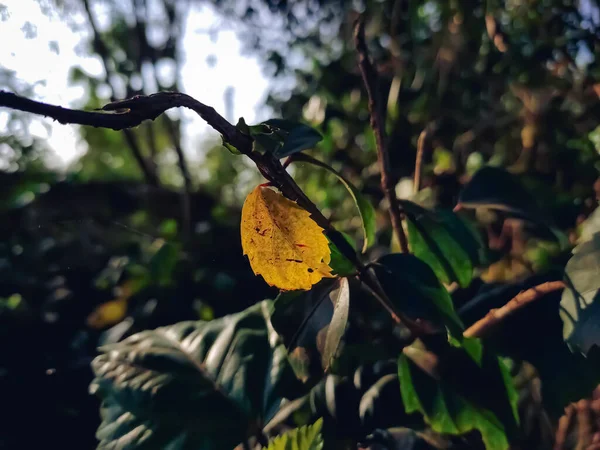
(565, 376)
(163, 262)
(414, 289)
(305, 438)
(296, 136)
(444, 242)
(311, 324)
(455, 396)
(232, 149)
(340, 265)
(365, 208)
(580, 303)
(193, 385)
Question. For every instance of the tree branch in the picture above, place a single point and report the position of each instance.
(370, 79)
(484, 326)
(419, 160)
(185, 173)
(131, 112)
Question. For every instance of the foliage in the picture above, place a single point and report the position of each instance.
(497, 100)
(307, 437)
(234, 364)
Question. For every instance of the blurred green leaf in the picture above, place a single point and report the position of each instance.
(364, 206)
(304, 438)
(201, 385)
(163, 262)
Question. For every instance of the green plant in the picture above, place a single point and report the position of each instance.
(372, 343)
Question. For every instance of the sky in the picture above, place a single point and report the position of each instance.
(54, 50)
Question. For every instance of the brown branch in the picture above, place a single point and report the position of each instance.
(133, 111)
(185, 173)
(483, 326)
(370, 79)
(419, 160)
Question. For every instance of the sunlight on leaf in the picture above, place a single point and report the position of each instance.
(282, 242)
(304, 438)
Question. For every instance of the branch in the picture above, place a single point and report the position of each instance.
(369, 75)
(419, 160)
(131, 112)
(185, 173)
(484, 326)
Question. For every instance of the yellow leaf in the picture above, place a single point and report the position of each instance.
(114, 311)
(282, 242)
(108, 313)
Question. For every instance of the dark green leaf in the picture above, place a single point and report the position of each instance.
(456, 396)
(414, 289)
(312, 324)
(350, 406)
(304, 438)
(443, 242)
(566, 377)
(495, 188)
(364, 206)
(580, 303)
(282, 138)
(193, 385)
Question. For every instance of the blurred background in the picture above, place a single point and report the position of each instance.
(106, 233)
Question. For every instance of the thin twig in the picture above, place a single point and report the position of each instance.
(369, 75)
(147, 52)
(185, 173)
(483, 326)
